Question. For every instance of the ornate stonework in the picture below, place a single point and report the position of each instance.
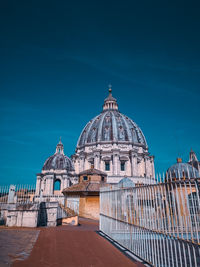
(115, 144)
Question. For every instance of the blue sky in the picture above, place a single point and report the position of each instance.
(57, 59)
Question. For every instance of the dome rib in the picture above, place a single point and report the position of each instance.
(90, 127)
(100, 127)
(127, 127)
(114, 124)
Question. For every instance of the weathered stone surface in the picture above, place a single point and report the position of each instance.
(22, 215)
(16, 244)
(71, 221)
(48, 214)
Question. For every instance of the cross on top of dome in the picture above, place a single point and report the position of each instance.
(110, 102)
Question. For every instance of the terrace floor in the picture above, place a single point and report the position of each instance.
(60, 246)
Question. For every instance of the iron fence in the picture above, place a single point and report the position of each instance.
(17, 194)
(159, 223)
(27, 193)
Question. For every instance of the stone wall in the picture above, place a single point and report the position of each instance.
(72, 202)
(89, 207)
(48, 214)
(32, 214)
(22, 215)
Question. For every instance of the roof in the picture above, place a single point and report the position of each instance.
(92, 171)
(84, 187)
(111, 126)
(58, 162)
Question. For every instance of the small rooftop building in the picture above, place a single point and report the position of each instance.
(83, 197)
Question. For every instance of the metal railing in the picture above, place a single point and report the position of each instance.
(159, 223)
(17, 194)
(25, 194)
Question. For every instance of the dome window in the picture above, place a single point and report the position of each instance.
(85, 178)
(106, 133)
(107, 118)
(107, 165)
(122, 165)
(121, 133)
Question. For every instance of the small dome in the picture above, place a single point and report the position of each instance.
(58, 161)
(182, 170)
(126, 182)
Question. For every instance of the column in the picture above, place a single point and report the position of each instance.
(87, 164)
(115, 164)
(134, 171)
(51, 185)
(48, 186)
(146, 169)
(65, 181)
(38, 186)
(128, 168)
(152, 165)
(81, 164)
(96, 162)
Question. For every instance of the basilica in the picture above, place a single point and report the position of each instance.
(111, 142)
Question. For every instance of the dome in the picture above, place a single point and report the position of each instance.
(111, 126)
(58, 161)
(126, 182)
(182, 170)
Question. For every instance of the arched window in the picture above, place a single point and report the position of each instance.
(57, 185)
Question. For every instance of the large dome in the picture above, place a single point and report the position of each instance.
(58, 161)
(111, 126)
(113, 143)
